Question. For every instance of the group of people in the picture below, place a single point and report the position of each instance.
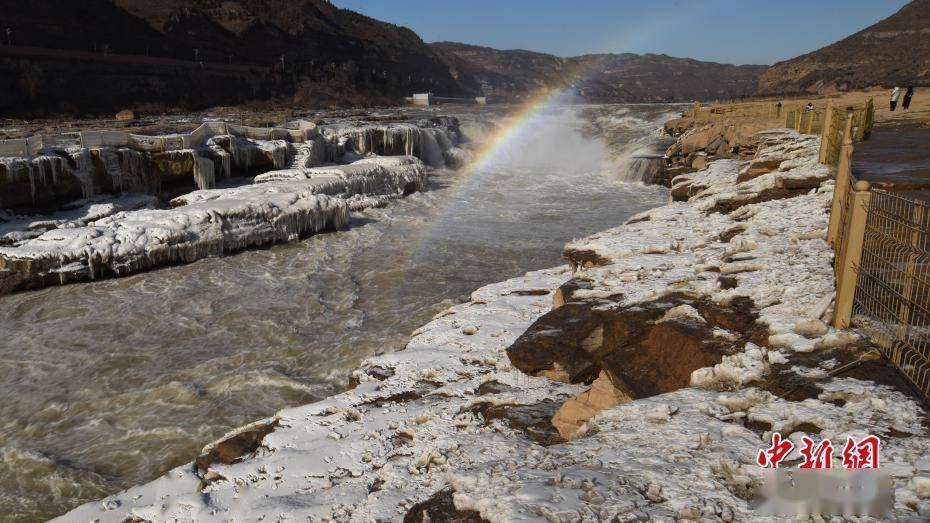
(906, 103)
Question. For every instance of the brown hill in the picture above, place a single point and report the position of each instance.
(893, 51)
(102, 55)
(605, 77)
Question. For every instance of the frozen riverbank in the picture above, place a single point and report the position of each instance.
(459, 421)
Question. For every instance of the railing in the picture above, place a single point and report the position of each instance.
(882, 264)
(736, 110)
(892, 298)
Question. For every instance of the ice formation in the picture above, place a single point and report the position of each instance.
(418, 422)
(63, 172)
(301, 192)
(132, 241)
(376, 175)
(434, 144)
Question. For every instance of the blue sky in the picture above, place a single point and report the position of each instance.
(731, 31)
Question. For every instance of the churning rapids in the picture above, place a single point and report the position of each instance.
(109, 384)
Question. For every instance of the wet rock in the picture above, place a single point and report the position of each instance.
(535, 421)
(440, 507)
(234, 446)
(493, 387)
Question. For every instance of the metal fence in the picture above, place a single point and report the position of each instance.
(832, 130)
(892, 296)
(882, 265)
(806, 121)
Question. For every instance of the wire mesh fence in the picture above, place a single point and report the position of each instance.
(834, 126)
(805, 121)
(892, 299)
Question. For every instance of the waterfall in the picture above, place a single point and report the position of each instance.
(429, 141)
(224, 157)
(204, 176)
(132, 166)
(41, 168)
(82, 171)
(430, 148)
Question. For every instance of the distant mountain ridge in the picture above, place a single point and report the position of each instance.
(99, 56)
(305, 50)
(896, 50)
(623, 77)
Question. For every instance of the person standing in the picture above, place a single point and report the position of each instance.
(895, 93)
(906, 103)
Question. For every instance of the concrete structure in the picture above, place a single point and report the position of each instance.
(422, 99)
(427, 99)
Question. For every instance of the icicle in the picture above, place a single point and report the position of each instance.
(203, 172)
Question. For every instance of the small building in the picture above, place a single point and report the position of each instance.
(422, 98)
(481, 100)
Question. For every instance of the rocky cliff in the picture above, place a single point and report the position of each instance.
(603, 77)
(893, 51)
(104, 55)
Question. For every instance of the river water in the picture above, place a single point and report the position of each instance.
(109, 384)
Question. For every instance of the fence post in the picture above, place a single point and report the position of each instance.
(810, 122)
(843, 175)
(825, 133)
(869, 118)
(854, 237)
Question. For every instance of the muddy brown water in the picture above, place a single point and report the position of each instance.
(896, 155)
(109, 384)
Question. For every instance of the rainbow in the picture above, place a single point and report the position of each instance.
(525, 113)
(517, 124)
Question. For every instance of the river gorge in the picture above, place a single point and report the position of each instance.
(111, 383)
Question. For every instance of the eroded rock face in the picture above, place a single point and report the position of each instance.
(645, 349)
(702, 142)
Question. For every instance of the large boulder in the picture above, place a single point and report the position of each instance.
(644, 349)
